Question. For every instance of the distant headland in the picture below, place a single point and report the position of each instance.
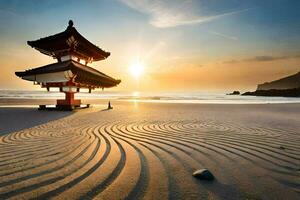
(285, 87)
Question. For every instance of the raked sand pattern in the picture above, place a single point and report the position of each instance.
(150, 152)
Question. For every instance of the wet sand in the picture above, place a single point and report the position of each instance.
(150, 150)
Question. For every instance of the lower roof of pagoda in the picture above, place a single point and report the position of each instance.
(66, 71)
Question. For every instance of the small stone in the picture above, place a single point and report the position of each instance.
(282, 147)
(203, 174)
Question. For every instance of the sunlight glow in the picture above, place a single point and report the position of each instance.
(136, 94)
(136, 69)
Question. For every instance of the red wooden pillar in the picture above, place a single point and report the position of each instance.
(69, 103)
(69, 98)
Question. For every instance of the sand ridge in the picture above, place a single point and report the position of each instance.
(149, 151)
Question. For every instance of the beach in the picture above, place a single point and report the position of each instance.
(142, 150)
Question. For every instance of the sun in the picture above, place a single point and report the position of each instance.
(136, 69)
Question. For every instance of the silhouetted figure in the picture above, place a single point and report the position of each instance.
(109, 106)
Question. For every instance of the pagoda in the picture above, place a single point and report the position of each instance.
(70, 73)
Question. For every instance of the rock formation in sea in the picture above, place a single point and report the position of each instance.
(295, 92)
(234, 93)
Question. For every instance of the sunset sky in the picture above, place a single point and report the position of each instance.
(182, 45)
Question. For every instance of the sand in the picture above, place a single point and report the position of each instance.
(150, 151)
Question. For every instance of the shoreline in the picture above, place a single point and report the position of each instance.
(29, 102)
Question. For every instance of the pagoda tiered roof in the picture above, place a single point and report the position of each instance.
(69, 41)
(80, 74)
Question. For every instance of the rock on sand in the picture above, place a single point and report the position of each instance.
(203, 174)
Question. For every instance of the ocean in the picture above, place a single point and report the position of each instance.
(161, 97)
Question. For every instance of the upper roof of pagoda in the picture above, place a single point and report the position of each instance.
(69, 41)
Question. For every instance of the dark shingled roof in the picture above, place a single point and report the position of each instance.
(84, 74)
(58, 44)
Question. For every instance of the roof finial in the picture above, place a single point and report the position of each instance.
(71, 23)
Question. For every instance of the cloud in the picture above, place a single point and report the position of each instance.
(271, 58)
(8, 11)
(230, 62)
(262, 59)
(171, 13)
(223, 35)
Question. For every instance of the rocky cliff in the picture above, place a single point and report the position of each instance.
(289, 82)
(295, 92)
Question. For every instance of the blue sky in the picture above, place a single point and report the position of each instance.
(167, 35)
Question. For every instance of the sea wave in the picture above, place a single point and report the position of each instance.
(176, 97)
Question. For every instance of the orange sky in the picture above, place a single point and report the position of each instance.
(177, 74)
